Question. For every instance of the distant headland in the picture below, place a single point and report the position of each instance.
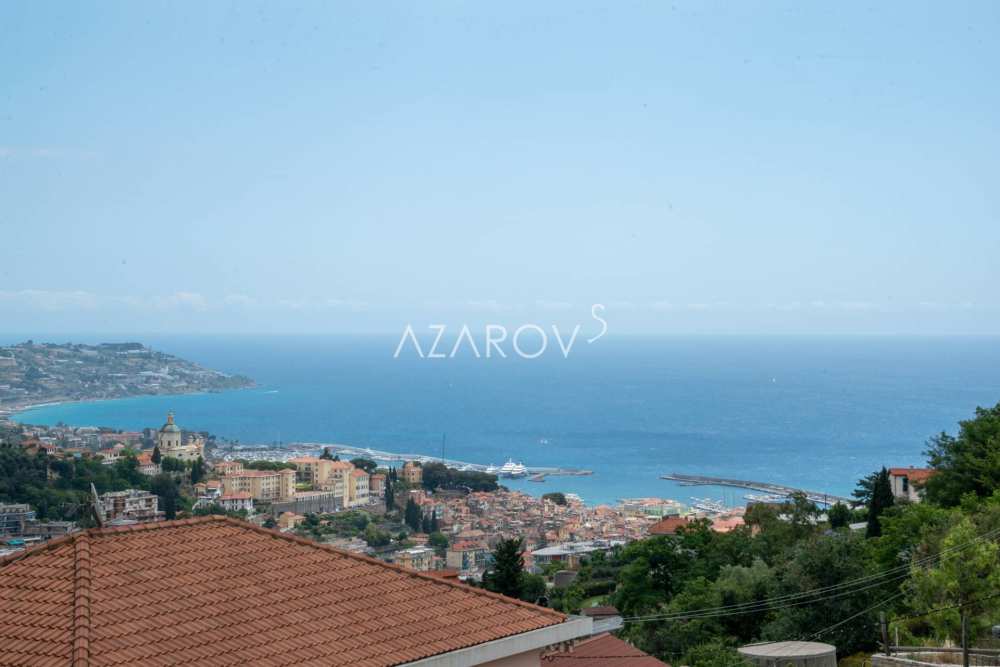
(41, 373)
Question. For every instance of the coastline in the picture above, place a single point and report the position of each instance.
(12, 413)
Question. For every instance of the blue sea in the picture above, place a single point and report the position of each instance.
(811, 412)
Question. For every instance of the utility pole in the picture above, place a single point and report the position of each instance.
(965, 638)
(885, 632)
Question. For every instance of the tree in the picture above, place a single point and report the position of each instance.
(197, 470)
(557, 497)
(165, 487)
(969, 577)
(327, 454)
(863, 491)
(156, 457)
(881, 500)
(412, 515)
(367, 465)
(839, 516)
(819, 563)
(714, 654)
(376, 538)
(532, 587)
(425, 525)
(390, 498)
(171, 464)
(505, 577)
(969, 463)
(439, 541)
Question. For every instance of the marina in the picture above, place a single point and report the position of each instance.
(774, 492)
(509, 470)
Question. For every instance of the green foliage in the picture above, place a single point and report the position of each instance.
(439, 476)
(839, 516)
(197, 470)
(165, 486)
(822, 562)
(156, 457)
(374, 537)
(532, 587)
(881, 499)
(390, 494)
(506, 574)
(412, 515)
(558, 497)
(439, 541)
(968, 463)
(25, 478)
(715, 653)
(217, 509)
(266, 465)
(969, 578)
(863, 491)
(170, 464)
(367, 465)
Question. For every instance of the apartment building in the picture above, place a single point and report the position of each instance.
(262, 485)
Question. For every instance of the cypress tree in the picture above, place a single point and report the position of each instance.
(390, 496)
(412, 515)
(156, 457)
(197, 470)
(881, 500)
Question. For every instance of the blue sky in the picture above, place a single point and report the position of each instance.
(757, 167)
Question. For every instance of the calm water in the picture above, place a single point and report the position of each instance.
(811, 412)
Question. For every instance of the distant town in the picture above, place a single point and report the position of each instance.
(34, 373)
(609, 580)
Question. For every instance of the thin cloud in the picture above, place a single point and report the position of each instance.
(51, 300)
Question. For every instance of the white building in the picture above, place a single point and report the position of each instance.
(907, 483)
(170, 441)
(234, 502)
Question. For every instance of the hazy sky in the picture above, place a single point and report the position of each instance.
(798, 167)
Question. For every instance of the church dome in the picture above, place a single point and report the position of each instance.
(170, 426)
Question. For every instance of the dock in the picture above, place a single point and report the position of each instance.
(537, 472)
(818, 497)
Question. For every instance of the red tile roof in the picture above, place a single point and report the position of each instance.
(602, 651)
(219, 591)
(600, 611)
(668, 526)
(917, 475)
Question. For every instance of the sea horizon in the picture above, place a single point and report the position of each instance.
(809, 412)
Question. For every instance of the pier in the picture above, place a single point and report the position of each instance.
(817, 497)
(351, 451)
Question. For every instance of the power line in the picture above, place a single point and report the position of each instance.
(940, 609)
(763, 605)
(748, 607)
(853, 616)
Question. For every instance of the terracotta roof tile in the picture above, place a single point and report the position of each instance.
(218, 591)
(668, 525)
(602, 651)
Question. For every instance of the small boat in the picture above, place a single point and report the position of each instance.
(540, 477)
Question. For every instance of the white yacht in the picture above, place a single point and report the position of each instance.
(511, 469)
